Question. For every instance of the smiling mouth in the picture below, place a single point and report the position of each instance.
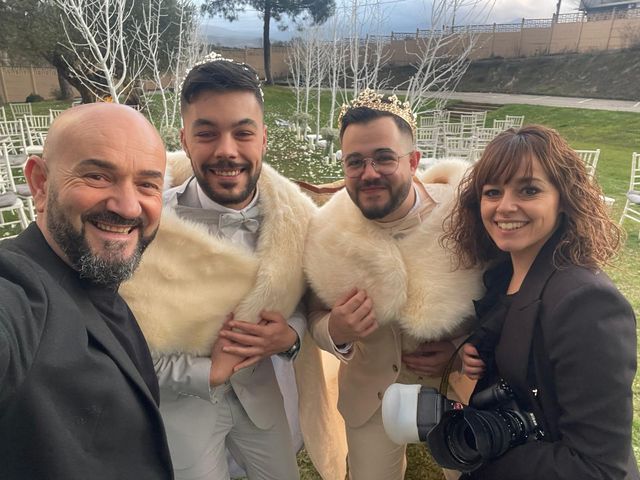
(511, 225)
(227, 172)
(114, 228)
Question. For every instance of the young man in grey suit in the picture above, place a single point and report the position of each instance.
(78, 391)
(230, 246)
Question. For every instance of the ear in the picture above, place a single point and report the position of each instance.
(184, 143)
(264, 140)
(414, 160)
(37, 177)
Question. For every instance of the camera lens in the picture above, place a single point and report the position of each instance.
(461, 441)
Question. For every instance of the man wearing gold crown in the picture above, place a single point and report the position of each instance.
(388, 300)
(231, 242)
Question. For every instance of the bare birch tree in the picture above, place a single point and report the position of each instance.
(167, 64)
(107, 63)
(364, 22)
(442, 54)
(294, 61)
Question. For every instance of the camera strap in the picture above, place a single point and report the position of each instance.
(444, 381)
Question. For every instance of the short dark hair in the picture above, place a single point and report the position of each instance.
(359, 115)
(220, 76)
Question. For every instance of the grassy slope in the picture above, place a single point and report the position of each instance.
(617, 134)
(598, 74)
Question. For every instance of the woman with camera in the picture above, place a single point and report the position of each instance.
(553, 325)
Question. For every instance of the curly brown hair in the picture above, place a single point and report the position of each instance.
(588, 237)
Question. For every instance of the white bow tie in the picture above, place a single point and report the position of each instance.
(229, 223)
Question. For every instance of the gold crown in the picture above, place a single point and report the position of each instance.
(377, 101)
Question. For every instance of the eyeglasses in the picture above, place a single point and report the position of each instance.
(384, 163)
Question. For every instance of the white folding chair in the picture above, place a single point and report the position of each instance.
(3, 115)
(21, 189)
(479, 118)
(515, 121)
(442, 116)
(14, 130)
(590, 159)
(13, 218)
(484, 135)
(428, 120)
(632, 207)
(427, 141)
(459, 147)
(468, 121)
(37, 127)
(53, 114)
(19, 110)
(501, 125)
(451, 129)
(13, 133)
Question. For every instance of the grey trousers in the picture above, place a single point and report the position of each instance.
(264, 454)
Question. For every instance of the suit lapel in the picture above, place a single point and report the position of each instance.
(513, 351)
(104, 337)
(33, 243)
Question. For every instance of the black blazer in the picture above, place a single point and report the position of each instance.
(570, 336)
(72, 403)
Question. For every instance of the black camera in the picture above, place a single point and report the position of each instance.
(459, 437)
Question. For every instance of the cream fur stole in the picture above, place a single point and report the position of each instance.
(189, 281)
(411, 281)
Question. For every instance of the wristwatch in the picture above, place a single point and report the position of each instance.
(293, 351)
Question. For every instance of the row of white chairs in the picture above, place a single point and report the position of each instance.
(631, 208)
(26, 135)
(437, 136)
(469, 120)
(20, 110)
(509, 121)
(16, 203)
(451, 140)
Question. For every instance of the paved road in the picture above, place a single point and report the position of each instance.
(549, 101)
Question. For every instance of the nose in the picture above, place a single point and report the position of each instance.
(125, 201)
(507, 203)
(226, 146)
(369, 171)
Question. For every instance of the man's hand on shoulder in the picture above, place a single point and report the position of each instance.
(352, 318)
(430, 358)
(256, 341)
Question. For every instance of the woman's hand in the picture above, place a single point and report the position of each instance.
(472, 365)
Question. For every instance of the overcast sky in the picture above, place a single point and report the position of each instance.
(407, 15)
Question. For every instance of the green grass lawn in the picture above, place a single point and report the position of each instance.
(617, 134)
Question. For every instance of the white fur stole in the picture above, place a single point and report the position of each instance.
(189, 281)
(411, 281)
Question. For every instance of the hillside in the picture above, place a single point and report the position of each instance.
(614, 75)
(600, 75)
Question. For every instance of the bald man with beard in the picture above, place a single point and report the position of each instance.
(78, 392)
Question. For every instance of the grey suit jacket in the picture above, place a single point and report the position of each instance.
(189, 407)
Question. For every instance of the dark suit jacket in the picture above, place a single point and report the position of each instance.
(570, 335)
(72, 403)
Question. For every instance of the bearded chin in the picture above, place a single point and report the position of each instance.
(224, 197)
(109, 268)
(396, 197)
